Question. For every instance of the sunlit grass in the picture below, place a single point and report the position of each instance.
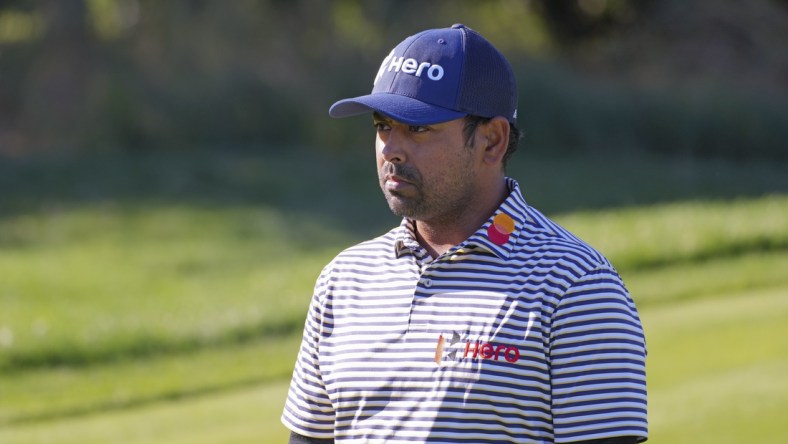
(707, 279)
(135, 319)
(684, 232)
(717, 367)
(249, 415)
(96, 283)
(49, 393)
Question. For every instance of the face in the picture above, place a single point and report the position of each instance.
(426, 172)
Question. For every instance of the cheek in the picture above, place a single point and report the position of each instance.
(454, 172)
(379, 160)
(379, 163)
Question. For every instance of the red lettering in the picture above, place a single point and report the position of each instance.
(468, 349)
(486, 351)
(516, 354)
(498, 350)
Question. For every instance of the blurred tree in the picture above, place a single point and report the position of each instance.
(55, 93)
(146, 74)
(574, 21)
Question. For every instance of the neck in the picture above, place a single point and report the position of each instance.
(438, 236)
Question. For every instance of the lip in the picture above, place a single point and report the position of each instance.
(394, 182)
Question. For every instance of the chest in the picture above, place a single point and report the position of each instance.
(431, 332)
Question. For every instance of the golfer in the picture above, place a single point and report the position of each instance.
(477, 319)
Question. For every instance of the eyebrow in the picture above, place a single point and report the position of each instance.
(378, 117)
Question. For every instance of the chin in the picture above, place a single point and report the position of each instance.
(399, 208)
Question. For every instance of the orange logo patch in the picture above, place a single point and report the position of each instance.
(500, 229)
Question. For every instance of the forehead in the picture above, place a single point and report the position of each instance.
(378, 117)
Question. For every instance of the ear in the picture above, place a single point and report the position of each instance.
(495, 140)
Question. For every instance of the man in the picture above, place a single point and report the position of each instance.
(477, 319)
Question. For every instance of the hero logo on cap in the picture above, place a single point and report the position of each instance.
(409, 66)
(439, 75)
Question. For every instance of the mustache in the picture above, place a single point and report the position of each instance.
(407, 173)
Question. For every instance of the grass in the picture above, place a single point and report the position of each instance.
(707, 279)
(716, 374)
(717, 368)
(93, 283)
(100, 284)
(249, 415)
(76, 392)
(135, 310)
(635, 238)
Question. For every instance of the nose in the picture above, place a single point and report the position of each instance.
(390, 147)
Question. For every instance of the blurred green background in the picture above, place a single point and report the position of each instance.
(171, 186)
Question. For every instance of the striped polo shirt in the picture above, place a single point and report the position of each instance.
(522, 333)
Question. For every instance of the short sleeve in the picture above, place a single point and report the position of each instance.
(308, 410)
(598, 361)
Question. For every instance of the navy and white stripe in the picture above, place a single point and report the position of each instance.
(533, 341)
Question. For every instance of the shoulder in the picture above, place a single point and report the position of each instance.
(364, 258)
(539, 238)
(543, 239)
(381, 247)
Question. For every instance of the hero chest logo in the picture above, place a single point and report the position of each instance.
(451, 348)
(409, 66)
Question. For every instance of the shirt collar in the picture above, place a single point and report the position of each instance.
(405, 238)
(498, 235)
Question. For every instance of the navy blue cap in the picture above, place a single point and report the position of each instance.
(439, 75)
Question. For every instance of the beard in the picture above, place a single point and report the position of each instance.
(436, 202)
(411, 204)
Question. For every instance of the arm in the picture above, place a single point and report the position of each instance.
(597, 355)
(308, 409)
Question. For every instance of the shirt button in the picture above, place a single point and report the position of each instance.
(428, 283)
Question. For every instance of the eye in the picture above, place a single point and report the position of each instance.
(417, 128)
(381, 126)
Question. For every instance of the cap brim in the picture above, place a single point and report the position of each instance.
(400, 108)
